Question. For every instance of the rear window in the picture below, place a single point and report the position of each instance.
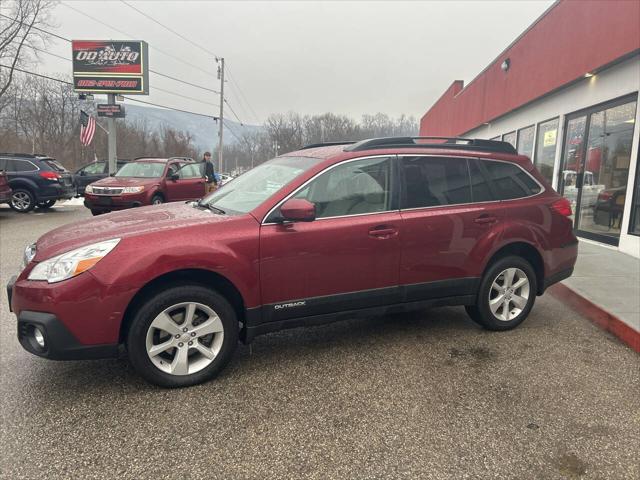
(56, 166)
(510, 181)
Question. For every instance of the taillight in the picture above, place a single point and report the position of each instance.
(50, 175)
(562, 206)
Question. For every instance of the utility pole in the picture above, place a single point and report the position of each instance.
(111, 127)
(221, 129)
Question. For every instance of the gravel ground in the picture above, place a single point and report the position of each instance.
(424, 395)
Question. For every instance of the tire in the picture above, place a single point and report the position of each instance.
(96, 212)
(46, 204)
(22, 200)
(519, 301)
(162, 320)
(157, 199)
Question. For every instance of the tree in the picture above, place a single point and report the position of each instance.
(20, 30)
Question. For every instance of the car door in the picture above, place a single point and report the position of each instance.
(348, 257)
(449, 214)
(189, 183)
(89, 174)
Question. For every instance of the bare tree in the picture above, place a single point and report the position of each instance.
(20, 30)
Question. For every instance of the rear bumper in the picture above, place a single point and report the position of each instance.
(557, 277)
(56, 192)
(5, 195)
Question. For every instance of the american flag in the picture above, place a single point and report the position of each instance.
(87, 128)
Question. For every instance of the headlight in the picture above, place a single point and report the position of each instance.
(29, 253)
(132, 189)
(72, 263)
(88, 189)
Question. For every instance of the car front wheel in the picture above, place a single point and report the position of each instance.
(182, 336)
(506, 296)
(157, 200)
(46, 204)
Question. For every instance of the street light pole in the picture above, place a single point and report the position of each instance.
(221, 119)
(111, 127)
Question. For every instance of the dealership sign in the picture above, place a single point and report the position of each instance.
(110, 66)
(110, 110)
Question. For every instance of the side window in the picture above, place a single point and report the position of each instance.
(3, 164)
(20, 166)
(190, 170)
(355, 187)
(435, 181)
(510, 181)
(94, 168)
(480, 188)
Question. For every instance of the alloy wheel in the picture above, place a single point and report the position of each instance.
(21, 200)
(509, 294)
(184, 338)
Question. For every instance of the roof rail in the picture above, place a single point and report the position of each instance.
(327, 144)
(181, 158)
(453, 143)
(25, 155)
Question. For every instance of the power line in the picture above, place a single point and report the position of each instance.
(34, 27)
(150, 70)
(185, 96)
(131, 36)
(128, 98)
(230, 130)
(231, 77)
(170, 29)
(233, 111)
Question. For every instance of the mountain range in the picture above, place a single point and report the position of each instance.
(203, 129)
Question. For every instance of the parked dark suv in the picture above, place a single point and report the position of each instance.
(326, 233)
(92, 172)
(36, 181)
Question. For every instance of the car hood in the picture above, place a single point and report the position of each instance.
(123, 224)
(125, 181)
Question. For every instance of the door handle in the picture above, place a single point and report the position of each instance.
(383, 232)
(485, 219)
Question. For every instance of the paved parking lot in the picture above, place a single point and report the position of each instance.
(426, 395)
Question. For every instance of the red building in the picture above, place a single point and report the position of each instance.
(565, 93)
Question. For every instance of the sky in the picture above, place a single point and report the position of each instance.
(344, 57)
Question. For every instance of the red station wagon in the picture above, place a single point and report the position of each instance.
(146, 181)
(326, 233)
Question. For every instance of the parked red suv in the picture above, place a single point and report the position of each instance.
(326, 233)
(146, 181)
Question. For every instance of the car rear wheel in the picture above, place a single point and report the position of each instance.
(157, 200)
(506, 296)
(46, 204)
(182, 336)
(22, 200)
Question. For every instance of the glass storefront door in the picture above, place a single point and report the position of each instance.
(595, 167)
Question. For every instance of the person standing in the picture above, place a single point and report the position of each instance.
(209, 174)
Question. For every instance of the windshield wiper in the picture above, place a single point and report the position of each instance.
(213, 208)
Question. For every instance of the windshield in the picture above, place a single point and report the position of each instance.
(141, 170)
(252, 188)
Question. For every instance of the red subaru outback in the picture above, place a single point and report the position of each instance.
(322, 234)
(146, 181)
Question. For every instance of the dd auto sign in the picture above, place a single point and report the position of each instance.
(110, 66)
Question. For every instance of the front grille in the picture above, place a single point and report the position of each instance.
(107, 191)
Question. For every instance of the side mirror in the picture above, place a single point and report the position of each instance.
(174, 176)
(298, 210)
(82, 173)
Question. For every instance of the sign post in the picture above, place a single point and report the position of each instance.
(111, 67)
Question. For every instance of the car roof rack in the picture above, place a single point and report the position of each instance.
(450, 143)
(181, 158)
(25, 155)
(327, 144)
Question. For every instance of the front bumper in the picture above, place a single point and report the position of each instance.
(59, 342)
(108, 203)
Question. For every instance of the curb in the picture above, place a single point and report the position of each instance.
(597, 315)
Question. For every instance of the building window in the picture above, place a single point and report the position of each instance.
(546, 142)
(525, 141)
(634, 224)
(510, 138)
